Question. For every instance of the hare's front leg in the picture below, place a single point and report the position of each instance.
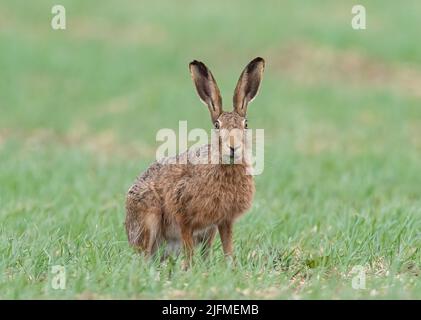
(188, 243)
(225, 232)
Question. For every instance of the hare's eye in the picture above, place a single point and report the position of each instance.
(245, 124)
(216, 124)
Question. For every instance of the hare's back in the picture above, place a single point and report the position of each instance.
(145, 181)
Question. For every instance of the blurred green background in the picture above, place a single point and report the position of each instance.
(79, 110)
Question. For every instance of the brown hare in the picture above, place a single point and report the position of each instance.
(183, 204)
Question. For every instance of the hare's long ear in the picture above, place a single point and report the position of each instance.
(206, 88)
(248, 85)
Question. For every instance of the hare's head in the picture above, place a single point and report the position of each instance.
(231, 125)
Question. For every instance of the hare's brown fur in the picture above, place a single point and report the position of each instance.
(182, 203)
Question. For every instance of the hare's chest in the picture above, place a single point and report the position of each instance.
(226, 200)
(236, 200)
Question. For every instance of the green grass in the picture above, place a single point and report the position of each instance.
(79, 110)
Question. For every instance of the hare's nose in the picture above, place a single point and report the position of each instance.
(232, 141)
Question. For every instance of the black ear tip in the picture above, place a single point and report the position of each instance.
(258, 60)
(193, 63)
(254, 63)
(197, 63)
(200, 67)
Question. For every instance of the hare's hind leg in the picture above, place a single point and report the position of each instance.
(143, 227)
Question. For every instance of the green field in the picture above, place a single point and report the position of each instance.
(341, 109)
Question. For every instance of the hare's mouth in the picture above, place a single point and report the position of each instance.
(235, 158)
(231, 159)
